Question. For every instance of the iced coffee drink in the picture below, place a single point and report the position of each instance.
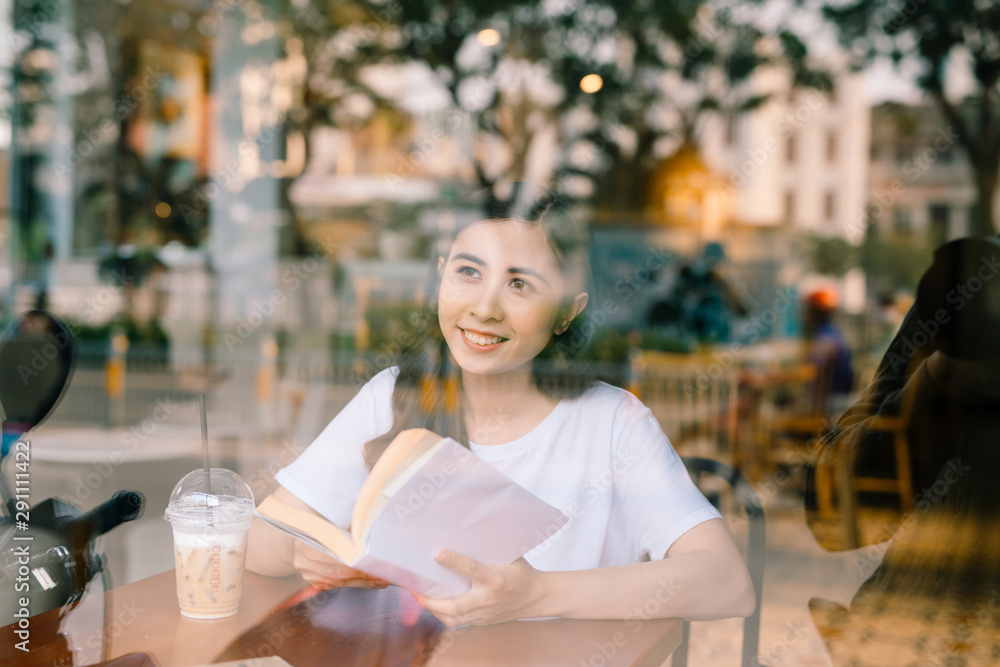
(210, 540)
(209, 575)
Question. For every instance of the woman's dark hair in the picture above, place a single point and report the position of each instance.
(427, 391)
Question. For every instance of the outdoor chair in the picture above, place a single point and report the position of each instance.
(698, 467)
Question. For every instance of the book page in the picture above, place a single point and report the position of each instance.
(457, 501)
(311, 528)
(396, 461)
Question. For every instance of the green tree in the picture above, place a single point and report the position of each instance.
(516, 68)
(939, 35)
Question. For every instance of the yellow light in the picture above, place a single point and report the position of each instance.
(591, 83)
(488, 37)
(163, 209)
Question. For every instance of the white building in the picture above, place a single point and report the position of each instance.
(921, 182)
(799, 161)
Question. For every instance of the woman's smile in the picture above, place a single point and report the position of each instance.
(482, 341)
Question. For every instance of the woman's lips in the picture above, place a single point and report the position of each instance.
(479, 341)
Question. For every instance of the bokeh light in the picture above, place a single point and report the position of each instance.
(488, 37)
(591, 83)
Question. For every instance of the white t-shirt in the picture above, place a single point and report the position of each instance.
(601, 458)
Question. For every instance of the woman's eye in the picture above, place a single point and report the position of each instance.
(520, 285)
(467, 272)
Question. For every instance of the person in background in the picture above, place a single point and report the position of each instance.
(827, 350)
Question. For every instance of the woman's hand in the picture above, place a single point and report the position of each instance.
(325, 572)
(499, 593)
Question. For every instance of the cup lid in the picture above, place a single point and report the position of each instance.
(229, 502)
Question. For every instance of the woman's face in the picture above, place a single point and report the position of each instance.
(500, 297)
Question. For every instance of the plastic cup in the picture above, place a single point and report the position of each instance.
(210, 541)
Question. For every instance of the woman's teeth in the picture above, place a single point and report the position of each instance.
(482, 340)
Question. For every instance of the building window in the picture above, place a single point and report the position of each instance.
(789, 206)
(790, 149)
(829, 206)
(831, 146)
(939, 216)
(903, 220)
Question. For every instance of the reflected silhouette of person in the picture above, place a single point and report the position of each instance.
(935, 597)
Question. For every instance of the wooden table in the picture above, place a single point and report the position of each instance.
(287, 618)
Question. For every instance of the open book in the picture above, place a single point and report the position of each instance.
(423, 494)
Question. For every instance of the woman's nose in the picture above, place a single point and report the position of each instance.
(487, 306)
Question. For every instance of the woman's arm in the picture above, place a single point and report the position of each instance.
(703, 577)
(270, 551)
(275, 553)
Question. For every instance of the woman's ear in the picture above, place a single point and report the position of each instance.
(579, 303)
(440, 265)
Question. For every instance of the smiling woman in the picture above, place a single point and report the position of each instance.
(504, 331)
(502, 298)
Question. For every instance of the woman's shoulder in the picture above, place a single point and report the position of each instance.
(376, 392)
(608, 398)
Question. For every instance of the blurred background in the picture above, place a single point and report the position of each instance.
(241, 198)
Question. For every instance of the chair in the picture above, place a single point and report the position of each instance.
(697, 467)
(784, 413)
(693, 397)
(896, 426)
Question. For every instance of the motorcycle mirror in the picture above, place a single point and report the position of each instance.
(37, 355)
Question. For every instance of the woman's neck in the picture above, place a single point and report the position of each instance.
(501, 408)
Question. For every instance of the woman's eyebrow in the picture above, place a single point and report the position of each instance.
(471, 258)
(530, 272)
(512, 270)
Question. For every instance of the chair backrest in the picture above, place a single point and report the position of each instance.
(694, 398)
(745, 495)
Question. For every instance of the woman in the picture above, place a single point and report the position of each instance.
(508, 309)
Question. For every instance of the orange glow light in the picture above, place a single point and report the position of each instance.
(591, 83)
(488, 37)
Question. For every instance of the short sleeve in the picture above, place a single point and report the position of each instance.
(328, 475)
(658, 501)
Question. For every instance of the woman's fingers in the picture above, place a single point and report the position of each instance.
(325, 572)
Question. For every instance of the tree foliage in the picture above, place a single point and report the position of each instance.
(664, 68)
(940, 35)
